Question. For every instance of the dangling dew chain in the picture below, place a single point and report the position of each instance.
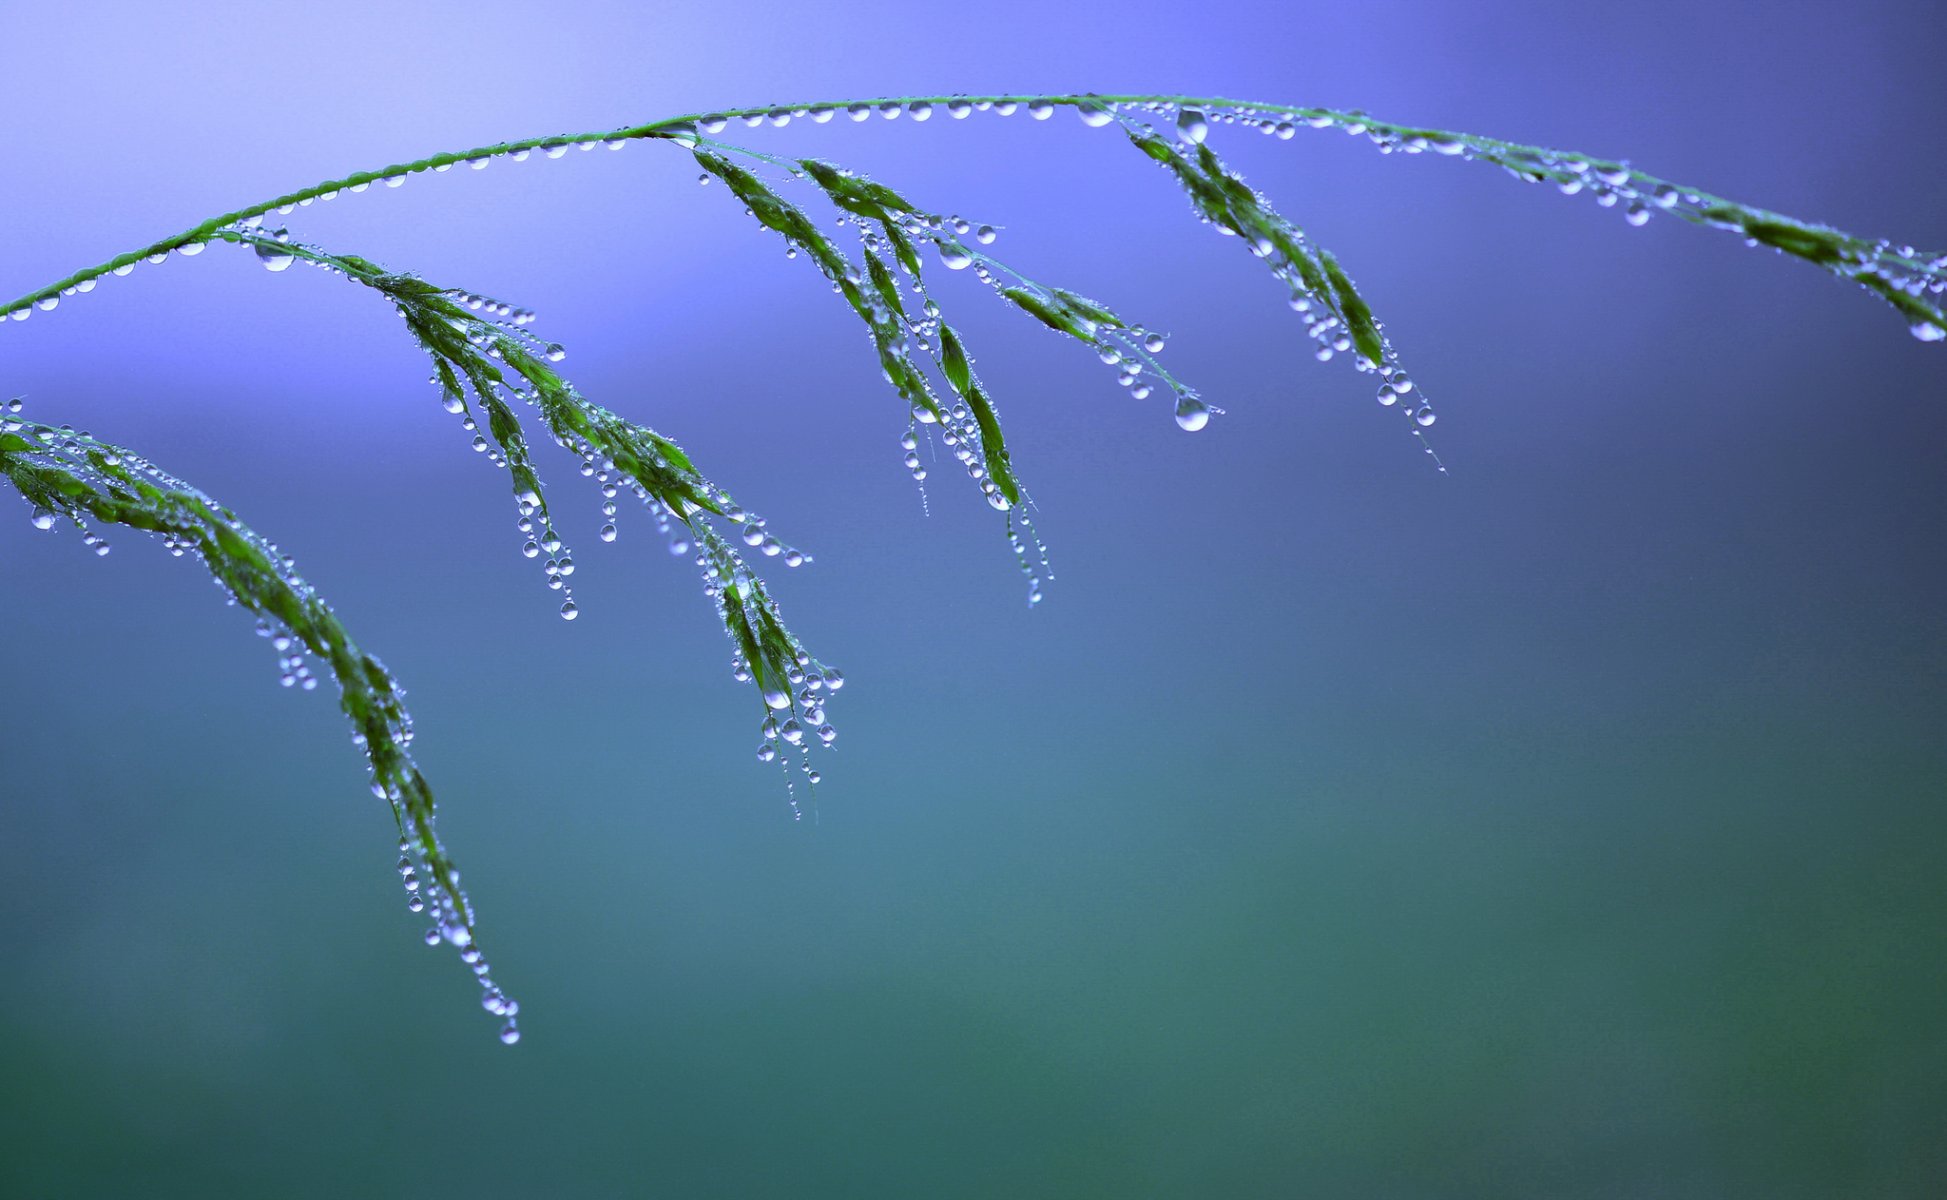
(488, 364)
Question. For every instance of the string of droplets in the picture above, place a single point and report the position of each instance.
(1909, 278)
(253, 573)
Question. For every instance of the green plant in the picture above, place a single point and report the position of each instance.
(487, 364)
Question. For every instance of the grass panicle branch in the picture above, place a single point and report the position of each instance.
(489, 367)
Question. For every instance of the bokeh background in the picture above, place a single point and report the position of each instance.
(1571, 826)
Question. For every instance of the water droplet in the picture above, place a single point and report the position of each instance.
(683, 133)
(568, 611)
(274, 258)
(1094, 115)
(608, 533)
(1927, 331)
(1040, 110)
(555, 353)
(1191, 413)
(776, 698)
(919, 110)
(1424, 416)
(1191, 126)
(954, 256)
(509, 1034)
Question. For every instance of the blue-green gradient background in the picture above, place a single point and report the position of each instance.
(1571, 826)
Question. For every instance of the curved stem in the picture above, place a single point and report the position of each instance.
(1533, 161)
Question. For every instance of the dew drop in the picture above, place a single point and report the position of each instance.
(955, 257)
(776, 698)
(1040, 110)
(1424, 417)
(1191, 126)
(1927, 331)
(1094, 115)
(608, 533)
(1192, 414)
(509, 1034)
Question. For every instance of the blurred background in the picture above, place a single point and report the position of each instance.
(1568, 826)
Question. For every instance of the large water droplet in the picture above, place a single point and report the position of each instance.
(1094, 115)
(776, 697)
(1191, 126)
(1192, 414)
(683, 133)
(1927, 331)
(955, 257)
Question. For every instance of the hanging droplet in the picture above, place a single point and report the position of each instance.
(776, 697)
(1191, 126)
(568, 611)
(1424, 417)
(1192, 414)
(1927, 331)
(955, 257)
(1094, 115)
(683, 133)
